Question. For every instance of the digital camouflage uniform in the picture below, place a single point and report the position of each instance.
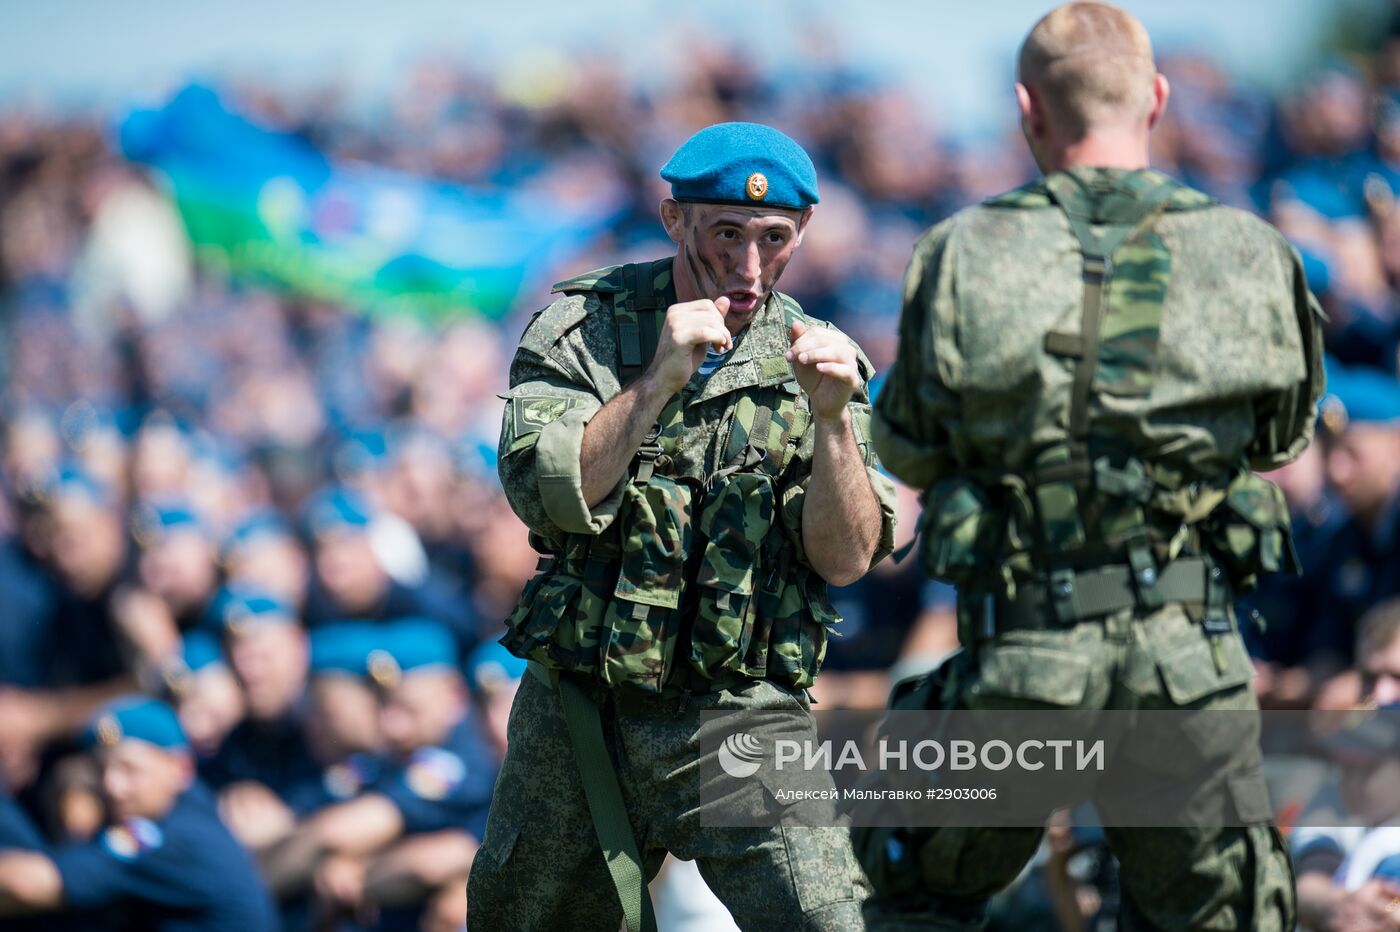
(1088, 369)
(686, 589)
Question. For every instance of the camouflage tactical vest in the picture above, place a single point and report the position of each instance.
(1089, 499)
(695, 586)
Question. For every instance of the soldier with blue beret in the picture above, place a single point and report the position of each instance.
(262, 549)
(264, 761)
(165, 861)
(691, 453)
(420, 820)
(342, 714)
(1361, 430)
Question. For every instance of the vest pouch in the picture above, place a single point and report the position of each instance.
(797, 638)
(541, 626)
(960, 531)
(639, 636)
(737, 516)
(1250, 533)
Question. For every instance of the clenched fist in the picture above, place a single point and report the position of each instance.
(691, 329)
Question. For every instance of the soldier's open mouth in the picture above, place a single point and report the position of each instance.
(742, 301)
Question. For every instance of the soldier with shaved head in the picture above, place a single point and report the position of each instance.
(1090, 369)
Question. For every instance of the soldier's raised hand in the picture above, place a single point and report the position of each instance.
(691, 329)
(826, 367)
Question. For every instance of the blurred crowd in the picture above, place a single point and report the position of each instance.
(259, 506)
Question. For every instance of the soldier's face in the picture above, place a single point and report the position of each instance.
(1380, 675)
(732, 251)
(1364, 466)
(422, 709)
(141, 780)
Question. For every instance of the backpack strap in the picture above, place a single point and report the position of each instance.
(1097, 244)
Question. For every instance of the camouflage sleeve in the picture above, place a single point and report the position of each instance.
(547, 407)
(914, 406)
(1286, 423)
(795, 496)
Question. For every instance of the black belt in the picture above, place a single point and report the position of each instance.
(1087, 594)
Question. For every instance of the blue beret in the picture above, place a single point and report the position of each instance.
(1388, 869)
(343, 647)
(362, 451)
(72, 480)
(491, 666)
(742, 163)
(1359, 395)
(335, 508)
(154, 520)
(139, 718)
(410, 645)
(201, 649)
(254, 527)
(239, 604)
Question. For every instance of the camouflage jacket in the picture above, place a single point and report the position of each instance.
(701, 560)
(1207, 362)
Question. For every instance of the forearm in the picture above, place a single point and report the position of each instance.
(66, 711)
(613, 435)
(841, 515)
(1318, 899)
(359, 827)
(411, 870)
(29, 883)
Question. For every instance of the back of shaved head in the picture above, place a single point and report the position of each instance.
(1090, 64)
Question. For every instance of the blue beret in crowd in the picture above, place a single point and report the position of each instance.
(337, 508)
(200, 649)
(238, 605)
(256, 526)
(1358, 395)
(73, 481)
(343, 647)
(490, 666)
(138, 718)
(742, 163)
(411, 645)
(155, 520)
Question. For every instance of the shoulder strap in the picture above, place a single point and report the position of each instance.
(637, 319)
(1096, 247)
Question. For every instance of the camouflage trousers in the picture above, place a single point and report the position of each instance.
(540, 866)
(1173, 878)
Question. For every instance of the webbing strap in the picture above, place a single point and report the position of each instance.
(605, 804)
(1069, 597)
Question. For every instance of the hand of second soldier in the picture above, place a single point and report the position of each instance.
(691, 329)
(826, 367)
(254, 814)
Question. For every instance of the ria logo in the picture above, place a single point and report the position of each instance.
(741, 755)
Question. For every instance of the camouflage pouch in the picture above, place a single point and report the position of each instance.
(542, 618)
(802, 614)
(1250, 533)
(639, 639)
(738, 515)
(960, 531)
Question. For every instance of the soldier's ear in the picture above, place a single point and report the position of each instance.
(673, 219)
(802, 222)
(1031, 115)
(1161, 90)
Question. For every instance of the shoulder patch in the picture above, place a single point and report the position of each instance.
(607, 280)
(433, 773)
(132, 838)
(532, 412)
